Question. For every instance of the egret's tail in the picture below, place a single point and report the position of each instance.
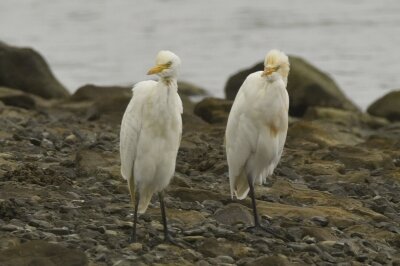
(144, 196)
(132, 190)
(240, 186)
(144, 200)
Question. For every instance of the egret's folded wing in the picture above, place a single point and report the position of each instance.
(283, 133)
(179, 107)
(131, 126)
(240, 137)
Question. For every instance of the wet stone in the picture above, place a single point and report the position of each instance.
(60, 231)
(234, 213)
(225, 259)
(322, 221)
(39, 223)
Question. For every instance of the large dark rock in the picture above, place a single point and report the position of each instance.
(94, 102)
(42, 253)
(388, 106)
(90, 92)
(189, 89)
(16, 98)
(213, 110)
(307, 86)
(236, 80)
(26, 70)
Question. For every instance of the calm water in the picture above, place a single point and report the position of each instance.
(115, 42)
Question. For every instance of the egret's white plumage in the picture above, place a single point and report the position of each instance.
(151, 131)
(257, 125)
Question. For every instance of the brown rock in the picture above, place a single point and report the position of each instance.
(16, 98)
(189, 218)
(320, 234)
(387, 106)
(26, 70)
(110, 110)
(189, 89)
(92, 92)
(344, 117)
(278, 260)
(42, 253)
(213, 110)
(191, 194)
(357, 158)
(321, 134)
(91, 161)
(212, 247)
(234, 213)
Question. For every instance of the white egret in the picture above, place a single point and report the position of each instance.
(257, 127)
(150, 135)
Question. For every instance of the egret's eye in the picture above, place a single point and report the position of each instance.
(168, 64)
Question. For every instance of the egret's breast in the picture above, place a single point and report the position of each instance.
(162, 118)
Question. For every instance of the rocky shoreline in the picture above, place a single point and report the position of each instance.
(334, 196)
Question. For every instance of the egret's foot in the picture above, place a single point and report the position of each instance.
(181, 244)
(132, 238)
(260, 229)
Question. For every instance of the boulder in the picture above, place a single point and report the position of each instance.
(213, 110)
(307, 86)
(110, 110)
(387, 106)
(90, 92)
(39, 252)
(94, 102)
(236, 80)
(16, 98)
(189, 89)
(26, 70)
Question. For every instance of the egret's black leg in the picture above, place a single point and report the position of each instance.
(257, 224)
(167, 236)
(133, 233)
(164, 216)
(253, 201)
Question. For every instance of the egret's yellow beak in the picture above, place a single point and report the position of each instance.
(157, 69)
(269, 70)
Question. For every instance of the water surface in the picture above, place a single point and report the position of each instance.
(115, 42)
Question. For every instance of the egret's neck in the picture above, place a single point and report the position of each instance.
(276, 76)
(285, 81)
(169, 82)
(165, 96)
